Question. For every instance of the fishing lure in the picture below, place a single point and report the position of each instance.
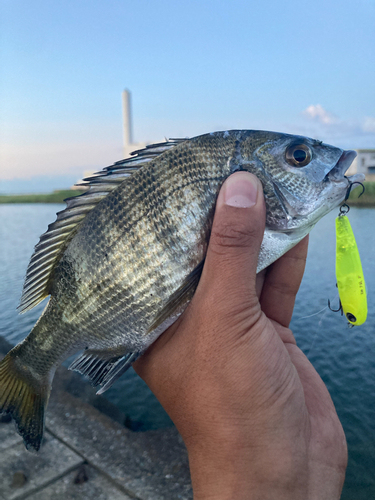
(349, 274)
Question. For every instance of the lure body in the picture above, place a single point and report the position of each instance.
(349, 274)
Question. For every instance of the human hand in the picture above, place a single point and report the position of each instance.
(256, 418)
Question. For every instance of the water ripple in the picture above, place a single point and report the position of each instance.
(343, 357)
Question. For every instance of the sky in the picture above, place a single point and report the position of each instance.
(193, 66)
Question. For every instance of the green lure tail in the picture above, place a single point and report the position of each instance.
(349, 274)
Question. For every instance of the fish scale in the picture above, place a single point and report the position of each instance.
(135, 269)
(123, 260)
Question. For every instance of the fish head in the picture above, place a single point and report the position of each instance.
(303, 178)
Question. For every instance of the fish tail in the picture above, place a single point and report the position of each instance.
(24, 396)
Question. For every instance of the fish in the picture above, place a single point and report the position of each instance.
(123, 260)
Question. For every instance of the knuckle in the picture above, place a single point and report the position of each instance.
(285, 333)
(232, 234)
(284, 289)
(239, 314)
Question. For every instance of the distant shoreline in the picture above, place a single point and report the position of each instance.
(368, 197)
(55, 197)
(366, 200)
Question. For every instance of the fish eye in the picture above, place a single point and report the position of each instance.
(298, 155)
(351, 317)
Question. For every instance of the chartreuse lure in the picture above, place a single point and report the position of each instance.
(349, 274)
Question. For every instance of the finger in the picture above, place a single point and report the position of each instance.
(234, 245)
(259, 282)
(282, 282)
(237, 233)
(320, 406)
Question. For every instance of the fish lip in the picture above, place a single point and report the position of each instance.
(356, 178)
(337, 174)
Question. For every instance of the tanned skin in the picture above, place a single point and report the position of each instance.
(256, 418)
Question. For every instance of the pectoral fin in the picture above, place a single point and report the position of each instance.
(179, 298)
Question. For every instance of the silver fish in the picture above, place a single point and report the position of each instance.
(123, 260)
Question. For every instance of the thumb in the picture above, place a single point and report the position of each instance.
(237, 233)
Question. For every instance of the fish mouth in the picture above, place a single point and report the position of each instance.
(356, 178)
(336, 185)
(337, 174)
(339, 181)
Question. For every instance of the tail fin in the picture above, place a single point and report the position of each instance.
(24, 397)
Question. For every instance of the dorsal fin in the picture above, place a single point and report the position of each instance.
(54, 241)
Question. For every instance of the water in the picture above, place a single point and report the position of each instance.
(20, 228)
(343, 357)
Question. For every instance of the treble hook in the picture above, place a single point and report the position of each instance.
(336, 310)
(340, 305)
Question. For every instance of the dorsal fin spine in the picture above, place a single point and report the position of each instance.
(48, 250)
(48, 243)
(40, 263)
(33, 277)
(28, 295)
(33, 301)
(73, 216)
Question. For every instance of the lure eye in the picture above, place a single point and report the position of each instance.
(298, 155)
(351, 317)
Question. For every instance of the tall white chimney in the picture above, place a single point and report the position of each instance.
(127, 117)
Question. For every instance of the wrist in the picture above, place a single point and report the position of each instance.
(247, 475)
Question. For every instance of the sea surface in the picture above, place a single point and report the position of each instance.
(344, 357)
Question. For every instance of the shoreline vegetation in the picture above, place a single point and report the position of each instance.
(366, 200)
(57, 196)
(368, 197)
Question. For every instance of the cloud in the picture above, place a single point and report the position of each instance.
(318, 113)
(328, 121)
(318, 122)
(369, 124)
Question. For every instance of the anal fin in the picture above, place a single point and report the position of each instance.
(102, 369)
